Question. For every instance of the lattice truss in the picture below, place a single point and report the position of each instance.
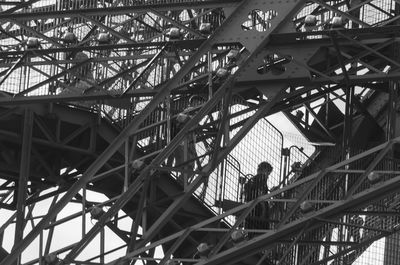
(128, 130)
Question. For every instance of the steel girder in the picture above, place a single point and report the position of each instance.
(325, 212)
(122, 137)
(39, 12)
(24, 175)
(298, 72)
(157, 226)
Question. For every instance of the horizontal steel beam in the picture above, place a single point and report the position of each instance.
(119, 10)
(320, 81)
(391, 31)
(103, 97)
(255, 245)
(181, 44)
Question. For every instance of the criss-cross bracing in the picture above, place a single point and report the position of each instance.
(129, 129)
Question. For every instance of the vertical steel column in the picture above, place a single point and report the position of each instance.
(348, 119)
(83, 211)
(392, 243)
(186, 158)
(393, 96)
(23, 176)
(209, 66)
(347, 135)
(222, 138)
(102, 245)
(348, 114)
(349, 92)
(391, 112)
(41, 248)
(126, 169)
(51, 230)
(139, 215)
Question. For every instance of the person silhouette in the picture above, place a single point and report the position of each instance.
(253, 188)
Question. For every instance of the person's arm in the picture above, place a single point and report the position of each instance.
(244, 191)
(247, 189)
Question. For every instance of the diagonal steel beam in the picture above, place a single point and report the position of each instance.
(149, 64)
(60, 98)
(34, 32)
(51, 230)
(344, 14)
(370, 167)
(238, 221)
(112, 148)
(16, 64)
(137, 184)
(293, 243)
(42, 160)
(176, 244)
(18, 7)
(363, 244)
(317, 119)
(275, 96)
(367, 48)
(122, 137)
(138, 218)
(175, 23)
(262, 112)
(23, 176)
(108, 29)
(242, 207)
(252, 247)
(222, 128)
(53, 78)
(174, 207)
(302, 197)
(349, 92)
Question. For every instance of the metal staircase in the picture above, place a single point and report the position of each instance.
(90, 95)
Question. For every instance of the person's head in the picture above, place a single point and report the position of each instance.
(264, 168)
